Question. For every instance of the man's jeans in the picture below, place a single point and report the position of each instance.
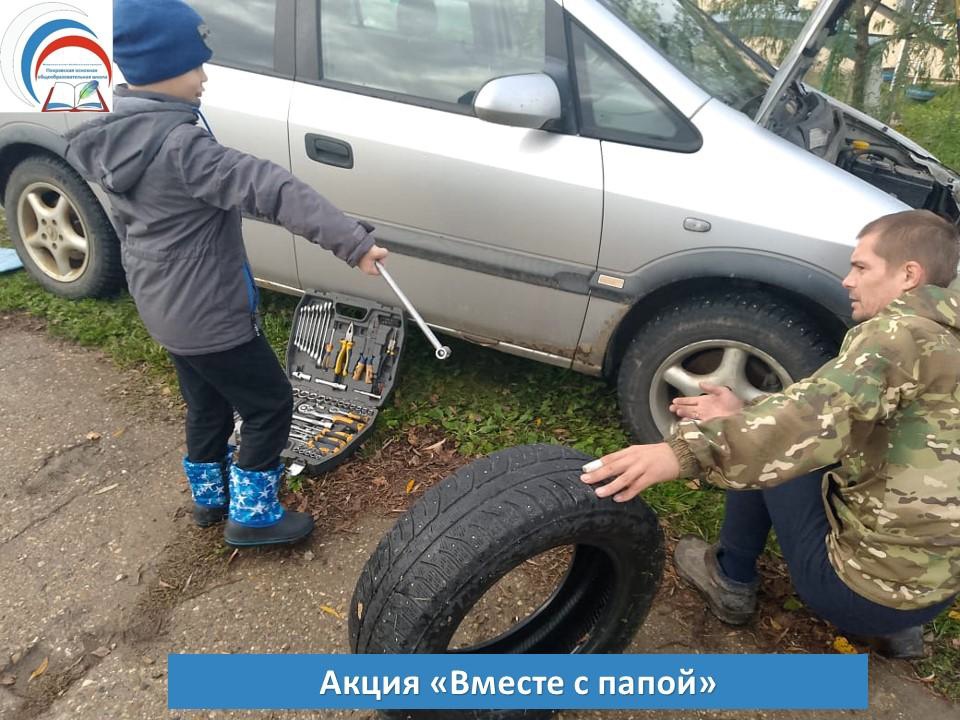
(799, 518)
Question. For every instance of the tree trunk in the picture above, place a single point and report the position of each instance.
(861, 55)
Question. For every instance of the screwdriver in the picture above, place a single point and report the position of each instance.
(389, 353)
(358, 370)
(327, 350)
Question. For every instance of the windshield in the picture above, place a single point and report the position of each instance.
(696, 45)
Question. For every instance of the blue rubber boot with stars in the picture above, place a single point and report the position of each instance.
(208, 485)
(256, 516)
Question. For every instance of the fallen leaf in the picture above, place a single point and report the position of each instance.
(41, 669)
(119, 432)
(94, 436)
(842, 645)
(164, 584)
(410, 484)
(436, 445)
(379, 481)
(954, 614)
(693, 484)
(108, 488)
(791, 603)
(7, 680)
(330, 611)
(101, 652)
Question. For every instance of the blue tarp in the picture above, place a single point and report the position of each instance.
(9, 260)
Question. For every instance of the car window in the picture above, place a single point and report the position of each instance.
(439, 50)
(241, 33)
(616, 104)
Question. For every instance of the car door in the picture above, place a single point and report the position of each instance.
(246, 100)
(494, 230)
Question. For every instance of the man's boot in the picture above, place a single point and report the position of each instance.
(208, 485)
(731, 601)
(904, 645)
(256, 516)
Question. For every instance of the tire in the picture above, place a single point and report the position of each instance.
(60, 230)
(767, 344)
(482, 522)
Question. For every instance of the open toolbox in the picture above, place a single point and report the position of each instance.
(342, 360)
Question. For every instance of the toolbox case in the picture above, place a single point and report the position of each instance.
(334, 412)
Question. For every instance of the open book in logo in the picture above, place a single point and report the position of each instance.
(82, 97)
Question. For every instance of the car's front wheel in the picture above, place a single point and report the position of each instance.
(753, 343)
(60, 230)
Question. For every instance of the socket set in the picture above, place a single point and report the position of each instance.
(342, 360)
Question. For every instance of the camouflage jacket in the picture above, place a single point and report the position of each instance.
(888, 410)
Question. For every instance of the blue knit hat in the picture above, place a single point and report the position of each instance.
(156, 40)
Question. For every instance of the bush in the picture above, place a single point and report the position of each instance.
(935, 125)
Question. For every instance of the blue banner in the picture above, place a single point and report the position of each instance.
(809, 682)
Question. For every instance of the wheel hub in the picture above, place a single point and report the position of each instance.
(746, 370)
(52, 231)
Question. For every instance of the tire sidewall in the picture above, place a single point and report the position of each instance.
(102, 246)
(799, 354)
(612, 637)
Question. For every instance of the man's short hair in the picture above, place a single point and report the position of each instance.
(921, 236)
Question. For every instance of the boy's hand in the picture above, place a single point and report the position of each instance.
(367, 261)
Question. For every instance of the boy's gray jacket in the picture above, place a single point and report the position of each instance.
(177, 196)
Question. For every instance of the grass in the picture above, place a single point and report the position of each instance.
(482, 399)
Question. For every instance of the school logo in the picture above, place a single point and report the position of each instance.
(55, 56)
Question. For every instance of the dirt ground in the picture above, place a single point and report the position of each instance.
(102, 573)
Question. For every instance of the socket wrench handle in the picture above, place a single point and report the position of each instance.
(442, 351)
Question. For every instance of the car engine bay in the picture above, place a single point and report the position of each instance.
(809, 120)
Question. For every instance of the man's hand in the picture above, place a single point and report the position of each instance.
(719, 401)
(367, 261)
(633, 469)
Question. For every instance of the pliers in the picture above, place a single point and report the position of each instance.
(343, 357)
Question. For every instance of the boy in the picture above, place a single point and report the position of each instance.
(177, 197)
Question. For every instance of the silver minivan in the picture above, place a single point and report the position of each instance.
(620, 187)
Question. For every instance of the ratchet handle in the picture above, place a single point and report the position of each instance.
(442, 352)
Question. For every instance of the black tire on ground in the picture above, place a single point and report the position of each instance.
(758, 322)
(467, 532)
(93, 268)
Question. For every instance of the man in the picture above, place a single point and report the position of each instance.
(873, 543)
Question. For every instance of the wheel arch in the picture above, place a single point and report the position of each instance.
(23, 140)
(810, 290)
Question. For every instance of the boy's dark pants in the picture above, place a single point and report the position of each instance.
(796, 511)
(248, 378)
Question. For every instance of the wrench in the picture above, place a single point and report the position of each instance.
(297, 340)
(324, 324)
(318, 310)
(442, 351)
(306, 409)
(307, 328)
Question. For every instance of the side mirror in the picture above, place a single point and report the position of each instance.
(529, 100)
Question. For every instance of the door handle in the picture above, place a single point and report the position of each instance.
(329, 151)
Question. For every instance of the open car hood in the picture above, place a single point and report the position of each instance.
(821, 25)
